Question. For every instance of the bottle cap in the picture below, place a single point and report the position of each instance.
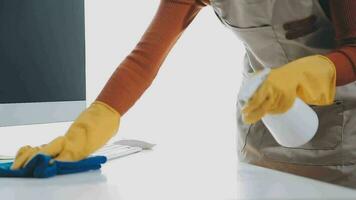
(250, 85)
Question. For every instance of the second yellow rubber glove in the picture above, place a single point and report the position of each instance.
(311, 78)
(90, 131)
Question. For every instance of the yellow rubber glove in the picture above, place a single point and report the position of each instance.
(311, 78)
(90, 131)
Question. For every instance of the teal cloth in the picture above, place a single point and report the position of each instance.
(43, 166)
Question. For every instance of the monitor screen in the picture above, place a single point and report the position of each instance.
(42, 57)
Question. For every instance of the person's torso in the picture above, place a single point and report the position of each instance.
(275, 32)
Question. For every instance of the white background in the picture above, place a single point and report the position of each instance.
(189, 110)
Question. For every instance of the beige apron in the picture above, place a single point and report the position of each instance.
(331, 155)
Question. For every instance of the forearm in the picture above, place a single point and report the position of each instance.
(138, 70)
(343, 13)
(344, 60)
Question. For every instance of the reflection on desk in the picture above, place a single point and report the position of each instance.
(83, 186)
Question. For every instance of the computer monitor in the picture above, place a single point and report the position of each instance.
(42, 61)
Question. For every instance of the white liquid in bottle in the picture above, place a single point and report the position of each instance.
(293, 128)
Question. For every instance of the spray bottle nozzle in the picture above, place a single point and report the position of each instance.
(250, 85)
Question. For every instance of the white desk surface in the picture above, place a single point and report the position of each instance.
(147, 175)
(166, 172)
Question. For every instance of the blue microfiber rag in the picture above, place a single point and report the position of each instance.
(43, 166)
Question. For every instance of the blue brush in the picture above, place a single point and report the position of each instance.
(43, 166)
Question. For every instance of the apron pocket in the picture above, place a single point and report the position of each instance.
(262, 46)
(248, 137)
(323, 149)
(245, 13)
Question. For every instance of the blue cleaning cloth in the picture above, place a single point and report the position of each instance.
(43, 166)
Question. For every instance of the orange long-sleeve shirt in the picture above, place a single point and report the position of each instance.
(138, 70)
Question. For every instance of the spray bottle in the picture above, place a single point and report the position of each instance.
(293, 128)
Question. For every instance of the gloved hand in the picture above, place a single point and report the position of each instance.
(90, 131)
(312, 78)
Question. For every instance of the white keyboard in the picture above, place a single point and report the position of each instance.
(114, 150)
